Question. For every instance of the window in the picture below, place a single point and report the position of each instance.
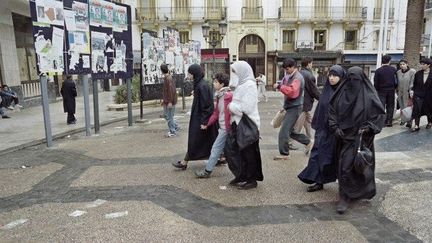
(350, 39)
(321, 8)
(320, 37)
(288, 37)
(352, 8)
(184, 36)
(181, 8)
(289, 9)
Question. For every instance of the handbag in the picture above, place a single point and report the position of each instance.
(278, 118)
(363, 158)
(247, 132)
(406, 114)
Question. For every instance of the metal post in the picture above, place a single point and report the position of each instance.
(96, 106)
(45, 107)
(430, 41)
(86, 103)
(214, 60)
(129, 100)
(386, 19)
(183, 94)
(380, 36)
(141, 80)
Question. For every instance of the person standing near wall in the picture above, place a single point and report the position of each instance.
(169, 100)
(385, 83)
(68, 91)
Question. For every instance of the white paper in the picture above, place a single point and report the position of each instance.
(57, 39)
(86, 61)
(96, 203)
(70, 20)
(169, 57)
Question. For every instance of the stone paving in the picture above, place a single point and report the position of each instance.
(69, 193)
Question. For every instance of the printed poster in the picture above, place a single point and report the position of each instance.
(98, 42)
(120, 18)
(49, 12)
(49, 50)
(95, 12)
(81, 16)
(107, 14)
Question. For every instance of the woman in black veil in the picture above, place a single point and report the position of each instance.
(355, 108)
(322, 166)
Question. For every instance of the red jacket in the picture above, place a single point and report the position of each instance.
(215, 116)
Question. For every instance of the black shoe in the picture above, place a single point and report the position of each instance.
(247, 185)
(6, 117)
(428, 126)
(179, 165)
(389, 125)
(402, 123)
(409, 125)
(316, 187)
(342, 205)
(221, 162)
(234, 181)
(71, 123)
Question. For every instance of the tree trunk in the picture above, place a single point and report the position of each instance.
(414, 31)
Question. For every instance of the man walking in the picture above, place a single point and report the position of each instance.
(310, 93)
(261, 83)
(385, 83)
(169, 96)
(292, 87)
(68, 91)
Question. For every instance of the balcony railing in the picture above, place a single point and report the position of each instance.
(377, 13)
(252, 13)
(180, 14)
(304, 13)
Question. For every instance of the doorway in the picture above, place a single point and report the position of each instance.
(252, 50)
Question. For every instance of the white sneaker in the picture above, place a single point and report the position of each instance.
(170, 135)
(10, 108)
(19, 106)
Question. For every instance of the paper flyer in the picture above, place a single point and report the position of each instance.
(107, 14)
(95, 12)
(81, 16)
(69, 17)
(49, 12)
(86, 61)
(120, 18)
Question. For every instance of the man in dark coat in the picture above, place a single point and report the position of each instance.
(422, 94)
(310, 93)
(68, 91)
(385, 83)
(355, 107)
(321, 168)
(200, 137)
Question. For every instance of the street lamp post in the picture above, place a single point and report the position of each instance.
(213, 40)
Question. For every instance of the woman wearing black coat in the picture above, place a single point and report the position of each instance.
(354, 108)
(322, 166)
(68, 91)
(422, 94)
(200, 139)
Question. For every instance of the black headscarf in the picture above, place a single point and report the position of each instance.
(320, 118)
(197, 72)
(355, 101)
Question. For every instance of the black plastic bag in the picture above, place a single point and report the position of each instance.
(232, 151)
(247, 132)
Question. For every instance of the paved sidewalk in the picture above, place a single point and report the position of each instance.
(26, 127)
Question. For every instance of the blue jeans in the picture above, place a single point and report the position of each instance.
(287, 130)
(217, 149)
(169, 116)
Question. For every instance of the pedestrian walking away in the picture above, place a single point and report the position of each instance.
(200, 140)
(169, 101)
(322, 166)
(292, 87)
(385, 83)
(68, 91)
(261, 85)
(355, 109)
(222, 117)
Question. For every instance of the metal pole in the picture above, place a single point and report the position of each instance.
(86, 103)
(380, 36)
(129, 100)
(45, 107)
(214, 61)
(96, 106)
(183, 94)
(430, 40)
(141, 80)
(386, 17)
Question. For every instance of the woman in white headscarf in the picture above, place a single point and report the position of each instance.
(245, 102)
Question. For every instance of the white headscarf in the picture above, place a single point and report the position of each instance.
(243, 71)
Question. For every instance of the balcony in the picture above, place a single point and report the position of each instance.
(377, 13)
(252, 13)
(304, 13)
(195, 14)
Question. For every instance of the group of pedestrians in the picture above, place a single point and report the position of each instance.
(348, 115)
(412, 89)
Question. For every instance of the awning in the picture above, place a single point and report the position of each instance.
(209, 57)
(368, 58)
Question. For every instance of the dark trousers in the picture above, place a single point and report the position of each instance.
(388, 100)
(287, 130)
(70, 117)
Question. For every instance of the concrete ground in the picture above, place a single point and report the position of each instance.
(120, 186)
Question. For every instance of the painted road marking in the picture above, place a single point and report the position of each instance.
(96, 203)
(13, 224)
(116, 215)
(77, 213)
